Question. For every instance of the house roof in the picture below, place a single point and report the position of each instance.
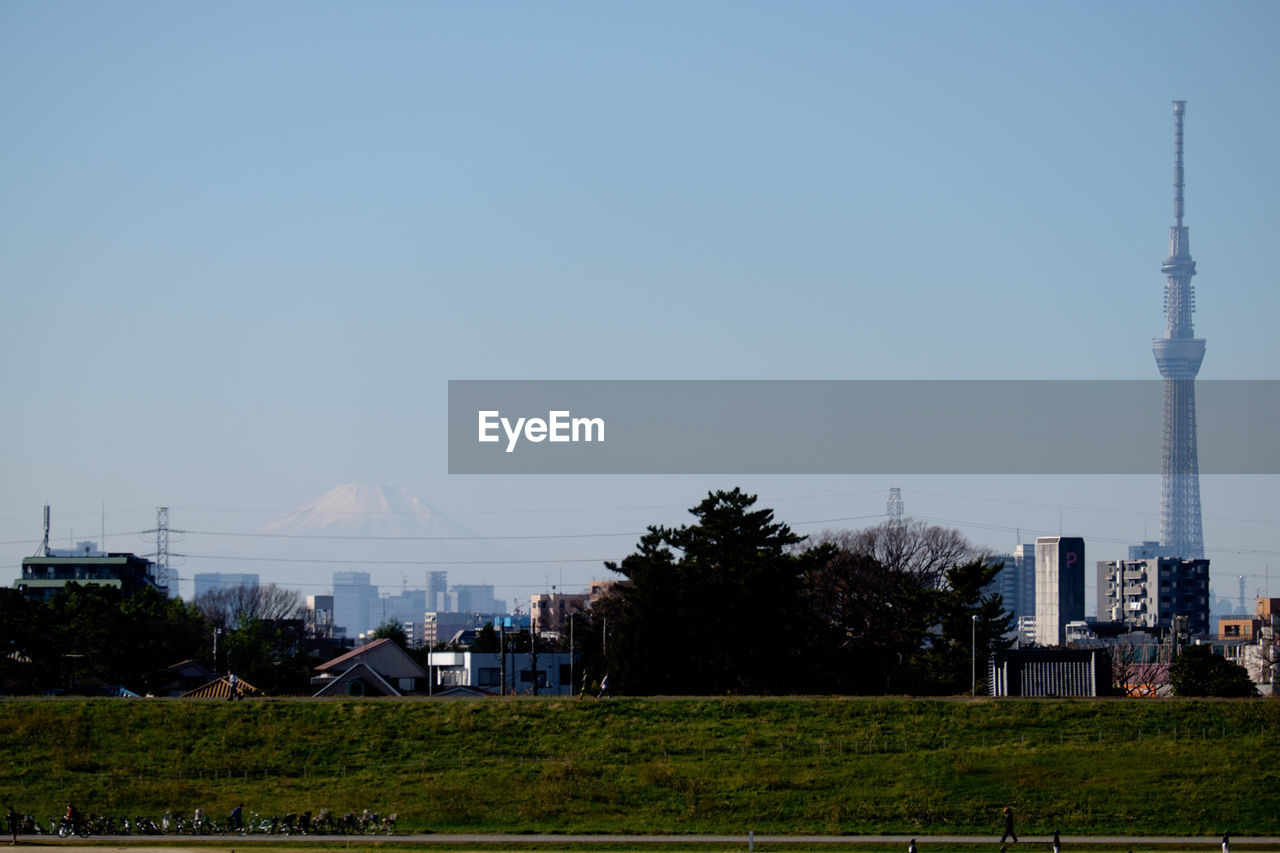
(383, 656)
(462, 691)
(220, 688)
(372, 684)
(187, 669)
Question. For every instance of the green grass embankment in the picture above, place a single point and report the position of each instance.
(821, 766)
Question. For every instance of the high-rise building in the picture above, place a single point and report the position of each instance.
(476, 598)
(405, 606)
(208, 581)
(319, 616)
(438, 591)
(1145, 550)
(1016, 581)
(355, 604)
(1150, 593)
(1178, 356)
(1059, 587)
(549, 611)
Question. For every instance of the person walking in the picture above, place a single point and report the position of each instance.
(911, 848)
(13, 819)
(1008, 826)
(1226, 842)
(1057, 842)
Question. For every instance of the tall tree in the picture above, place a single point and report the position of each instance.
(713, 607)
(971, 624)
(390, 630)
(1197, 671)
(91, 633)
(898, 603)
(875, 619)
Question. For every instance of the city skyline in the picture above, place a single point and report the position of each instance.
(242, 262)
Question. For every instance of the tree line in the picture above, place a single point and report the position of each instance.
(90, 636)
(733, 603)
(739, 603)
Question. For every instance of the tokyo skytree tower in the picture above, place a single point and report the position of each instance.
(1178, 355)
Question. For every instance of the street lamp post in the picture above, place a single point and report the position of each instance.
(973, 690)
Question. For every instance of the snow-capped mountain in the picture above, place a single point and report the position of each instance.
(358, 510)
(389, 533)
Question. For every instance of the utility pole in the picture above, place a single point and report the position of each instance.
(533, 654)
(502, 658)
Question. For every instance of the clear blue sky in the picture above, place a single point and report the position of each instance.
(244, 246)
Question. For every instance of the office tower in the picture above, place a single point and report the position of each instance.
(1059, 587)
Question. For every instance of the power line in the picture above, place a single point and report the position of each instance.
(399, 538)
(523, 511)
(363, 562)
(533, 586)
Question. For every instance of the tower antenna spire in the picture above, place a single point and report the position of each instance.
(1179, 108)
(1178, 355)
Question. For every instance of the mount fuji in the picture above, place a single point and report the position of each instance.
(391, 534)
(358, 510)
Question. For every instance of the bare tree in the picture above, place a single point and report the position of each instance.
(1126, 667)
(922, 551)
(236, 606)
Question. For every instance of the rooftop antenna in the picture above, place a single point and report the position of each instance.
(44, 545)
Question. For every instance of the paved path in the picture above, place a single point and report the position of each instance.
(157, 843)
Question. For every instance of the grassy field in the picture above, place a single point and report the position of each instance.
(820, 766)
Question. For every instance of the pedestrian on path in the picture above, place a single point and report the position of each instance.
(911, 848)
(1226, 842)
(1008, 826)
(1057, 842)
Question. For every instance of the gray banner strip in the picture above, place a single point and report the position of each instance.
(849, 427)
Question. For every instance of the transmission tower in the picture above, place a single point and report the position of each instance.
(162, 549)
(1178, 356)
(894, 507)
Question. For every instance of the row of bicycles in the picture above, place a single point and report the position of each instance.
(324, 822)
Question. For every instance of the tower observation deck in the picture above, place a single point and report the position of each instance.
(1178, 356)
